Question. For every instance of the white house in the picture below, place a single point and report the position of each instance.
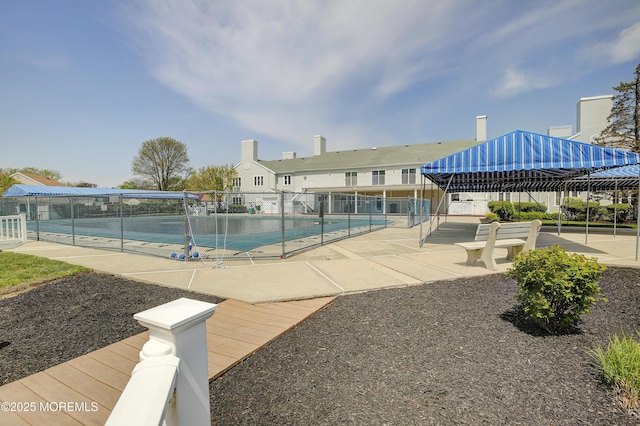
(393, 171)
(385, 172)
(24, 206)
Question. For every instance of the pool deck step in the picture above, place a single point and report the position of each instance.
(83, 391)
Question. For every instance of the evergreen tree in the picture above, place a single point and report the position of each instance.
(623, 130)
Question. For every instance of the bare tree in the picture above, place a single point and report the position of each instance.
(164, 162)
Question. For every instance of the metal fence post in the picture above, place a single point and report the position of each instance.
(370, 209)
(37, 222)
(348, 216)
(284, 254)
(121, 223)
(321, 214)
(187, 238)
(73, 225)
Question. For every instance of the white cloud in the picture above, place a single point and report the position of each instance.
(515, 82)
(293, 68)
(254, 60)
(623, 49)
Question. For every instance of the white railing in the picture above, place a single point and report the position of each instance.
(170, 384)
(13, 229)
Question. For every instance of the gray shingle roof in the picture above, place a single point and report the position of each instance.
(389, 156)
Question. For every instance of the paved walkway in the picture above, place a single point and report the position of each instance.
(387, 258)
(265, 298)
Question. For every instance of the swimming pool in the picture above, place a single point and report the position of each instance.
(239, 233)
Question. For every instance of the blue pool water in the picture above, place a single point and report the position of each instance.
(242, 233)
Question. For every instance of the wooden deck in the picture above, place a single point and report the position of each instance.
(84, 390)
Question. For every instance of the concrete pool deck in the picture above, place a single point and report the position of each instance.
(386, 258)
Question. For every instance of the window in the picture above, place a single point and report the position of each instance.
(408, 176)
(287, 180)
(504, 196)
(455, 197)
(236, 200)
(377, 177)
(258, 180)
(351, 179)
(237, 182)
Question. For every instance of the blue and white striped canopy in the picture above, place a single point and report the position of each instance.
(606, 180)
(523, 161)
(20, 190)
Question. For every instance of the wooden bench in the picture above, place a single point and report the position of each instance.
(514, 236)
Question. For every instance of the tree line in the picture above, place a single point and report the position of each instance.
(161, 163)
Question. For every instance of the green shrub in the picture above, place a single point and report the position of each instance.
(620, 367)
(532, 215)
(237, 208)
(492, 217)
(624, 212)
(575, 208)
(556, 288)
(504, 209)
(530, 207)
(553, 216)
(494, 204)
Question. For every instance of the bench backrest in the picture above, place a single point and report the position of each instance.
(505, 231)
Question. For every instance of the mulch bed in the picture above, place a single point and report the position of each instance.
(64, 319)
(450, 352)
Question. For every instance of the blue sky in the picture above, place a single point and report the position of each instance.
(83, 83)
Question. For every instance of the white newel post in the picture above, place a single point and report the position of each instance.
(181, 325)
(23, 227)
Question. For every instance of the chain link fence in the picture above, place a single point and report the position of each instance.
(212, 224)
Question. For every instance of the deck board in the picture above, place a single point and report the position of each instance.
(113, 360)
(127, 351)
(88, 386)
(101, 372)
(234, 332)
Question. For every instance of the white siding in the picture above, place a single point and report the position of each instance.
(592, 116)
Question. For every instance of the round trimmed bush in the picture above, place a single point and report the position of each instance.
(555, 287)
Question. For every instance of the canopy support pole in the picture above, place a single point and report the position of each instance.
(638, 218)
(615, 210)
(586, 231)
(519, 202)
(532, 198)
(562, 201)
(437, 210)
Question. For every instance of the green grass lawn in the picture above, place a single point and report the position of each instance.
(21, 270)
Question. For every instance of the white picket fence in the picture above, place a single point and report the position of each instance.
(170, 384)
(13, 229)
